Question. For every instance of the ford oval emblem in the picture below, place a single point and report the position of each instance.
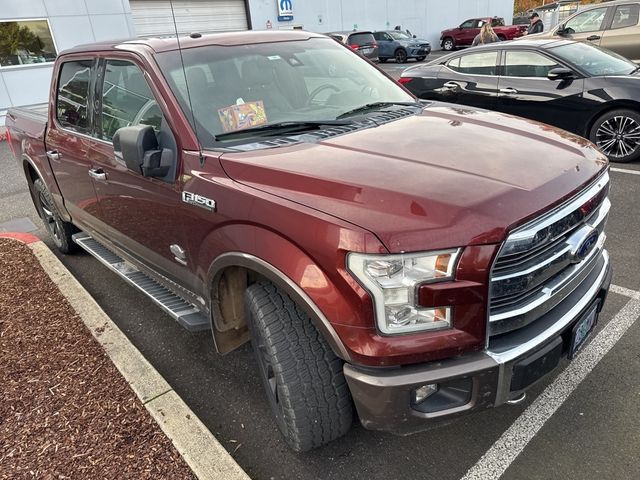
(586, 245)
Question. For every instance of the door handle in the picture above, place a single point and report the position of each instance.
(508, 91)
(451, 85)
(593, 38)
(53, 155)
(98, 174)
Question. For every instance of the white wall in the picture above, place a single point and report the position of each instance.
(425, 18)
(72, 22)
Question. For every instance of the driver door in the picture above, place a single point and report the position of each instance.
(139, 214)
(586, 26)
(468, 31)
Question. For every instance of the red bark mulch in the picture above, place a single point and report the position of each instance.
(65, 410)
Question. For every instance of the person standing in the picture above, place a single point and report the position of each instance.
(486, 35)
(535, 24)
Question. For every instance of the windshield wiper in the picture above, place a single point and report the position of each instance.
(275, 128)
(374, 105)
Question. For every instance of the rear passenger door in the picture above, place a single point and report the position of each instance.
(525, 90)
(140, 214)
(470, 79)
(623, 34)
(69, 139)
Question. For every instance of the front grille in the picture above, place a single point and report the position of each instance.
(542, 262)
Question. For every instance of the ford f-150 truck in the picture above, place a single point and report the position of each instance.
(463, 35)
(398, 259)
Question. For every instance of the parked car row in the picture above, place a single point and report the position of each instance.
(385, 45)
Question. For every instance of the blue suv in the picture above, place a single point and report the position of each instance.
(401, 46)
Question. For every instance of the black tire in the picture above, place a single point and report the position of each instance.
(617, 134)
(400, 55)
(502, 38)
(420, 59)
(448, 44)
(303, 378)
(59, 230)
(382, 60)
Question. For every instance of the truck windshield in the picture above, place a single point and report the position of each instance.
(240, 87)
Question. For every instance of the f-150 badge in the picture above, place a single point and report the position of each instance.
(199, 201)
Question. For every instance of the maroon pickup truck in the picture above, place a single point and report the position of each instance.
(463, 35)
(406, 261)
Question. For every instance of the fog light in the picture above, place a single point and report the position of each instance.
(422, 393)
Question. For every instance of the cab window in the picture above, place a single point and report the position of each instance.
(73, 95)
(527, 64)
(481, 63)
(626, 16)
(126, 99)
(468, 24)
(590, 21)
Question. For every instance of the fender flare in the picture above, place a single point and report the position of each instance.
(271, 273)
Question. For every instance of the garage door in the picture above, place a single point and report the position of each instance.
(153, 17)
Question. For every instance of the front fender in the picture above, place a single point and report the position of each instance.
(328, 295)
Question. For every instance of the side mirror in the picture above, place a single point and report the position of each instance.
(137, 147)
(415, 36)
(561, 31)
(560, 73)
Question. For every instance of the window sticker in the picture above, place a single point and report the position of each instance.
(241, 116)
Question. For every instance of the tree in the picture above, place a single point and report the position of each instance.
(13, 37)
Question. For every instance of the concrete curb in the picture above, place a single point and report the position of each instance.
(206, 457)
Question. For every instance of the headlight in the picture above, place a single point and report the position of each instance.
(392, 281)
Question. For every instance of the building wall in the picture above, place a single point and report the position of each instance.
(424, 18)
(72, 22)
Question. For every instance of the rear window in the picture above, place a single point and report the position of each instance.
(361, 39)
(482, 63)
(73, 95)
(497, 22)
(626, 16)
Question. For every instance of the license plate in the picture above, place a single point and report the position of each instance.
(583, 329)
(367, 50)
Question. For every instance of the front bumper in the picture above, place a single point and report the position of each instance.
(384, 398)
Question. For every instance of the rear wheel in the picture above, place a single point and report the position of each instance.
(617, 134)
(400, 55)
(448, 44)
(303, 378)
(59, 230)
(502, 38)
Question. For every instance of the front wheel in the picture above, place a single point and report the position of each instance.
(303, 378)
(59, 230)
(400, 56)
(448, 45)
(617, 134)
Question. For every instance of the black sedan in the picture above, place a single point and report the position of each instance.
(575, 86)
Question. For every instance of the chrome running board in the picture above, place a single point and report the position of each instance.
(186, 314)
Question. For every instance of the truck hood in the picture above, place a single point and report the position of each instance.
(449, 176)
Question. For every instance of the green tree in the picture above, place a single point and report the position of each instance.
(14, 37)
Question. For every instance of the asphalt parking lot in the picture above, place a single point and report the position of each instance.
(582, 422)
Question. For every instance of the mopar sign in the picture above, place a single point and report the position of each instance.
(285, 10)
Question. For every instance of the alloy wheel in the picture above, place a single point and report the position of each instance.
(401, 56)
(618, 137)
(50, 221)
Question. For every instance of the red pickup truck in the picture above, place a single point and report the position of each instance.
(463, 35)
(407, 261)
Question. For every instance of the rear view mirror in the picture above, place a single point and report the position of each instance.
(137, 148)
(560, 73)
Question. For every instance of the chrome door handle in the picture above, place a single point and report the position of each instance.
(508, 91)
(451, 85)
(53, 155)
(593, 38)
(98, 174)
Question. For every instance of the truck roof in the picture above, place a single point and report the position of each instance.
(168, 43)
